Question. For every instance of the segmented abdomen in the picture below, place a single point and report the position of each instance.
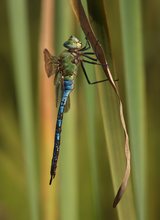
(68, 87)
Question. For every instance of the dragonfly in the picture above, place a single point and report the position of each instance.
(65, 69)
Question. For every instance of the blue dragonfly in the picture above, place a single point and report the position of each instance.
(65, 68)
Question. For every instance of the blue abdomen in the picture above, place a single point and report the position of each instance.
(68, 87)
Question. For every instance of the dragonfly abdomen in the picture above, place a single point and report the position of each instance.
(68, 87)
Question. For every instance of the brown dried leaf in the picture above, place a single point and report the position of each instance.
(86, 27)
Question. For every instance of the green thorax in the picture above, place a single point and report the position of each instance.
(67, 65)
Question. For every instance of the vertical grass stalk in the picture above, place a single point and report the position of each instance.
(17, 13)
(135, 92)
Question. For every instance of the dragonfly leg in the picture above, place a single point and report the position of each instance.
(89, 53)
(92, 62)
(87, 78)
(87, 46)
(89, 82)
(91, 58)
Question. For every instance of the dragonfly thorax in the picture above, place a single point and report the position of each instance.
(68, 65)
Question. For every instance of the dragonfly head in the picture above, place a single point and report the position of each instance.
(73, 43)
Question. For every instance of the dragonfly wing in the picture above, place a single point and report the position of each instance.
(59, 94)
(58, 87)
(67, 106)
(50, 62)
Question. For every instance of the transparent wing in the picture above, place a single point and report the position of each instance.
(59, 91)
(51, 62)
(67, 106)
(58, 87)
(59, 94)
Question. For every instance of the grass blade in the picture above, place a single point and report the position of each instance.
(20, 42)
(47, 113)
(135, 92)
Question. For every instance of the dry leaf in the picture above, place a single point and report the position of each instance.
(86, 27)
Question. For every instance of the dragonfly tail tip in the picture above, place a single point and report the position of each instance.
(50, 182)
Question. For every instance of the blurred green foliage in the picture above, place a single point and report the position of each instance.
(91, 164)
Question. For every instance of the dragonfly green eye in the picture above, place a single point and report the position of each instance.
(73, 43)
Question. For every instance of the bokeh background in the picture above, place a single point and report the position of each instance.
(91, 162)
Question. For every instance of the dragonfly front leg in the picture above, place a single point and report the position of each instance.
(87, 46)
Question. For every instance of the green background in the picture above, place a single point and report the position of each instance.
(91, 163)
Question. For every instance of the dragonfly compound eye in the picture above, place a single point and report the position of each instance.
(73, 43)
